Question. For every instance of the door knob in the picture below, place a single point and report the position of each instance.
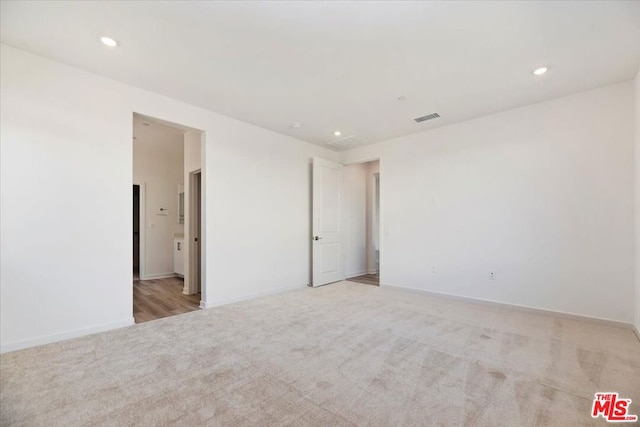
(317, 238)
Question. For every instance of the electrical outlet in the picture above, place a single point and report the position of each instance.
(492, 275)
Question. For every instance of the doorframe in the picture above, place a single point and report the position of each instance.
(380, 213)
(191, 285)
(374, 197)
(142, 239)
(203, 208)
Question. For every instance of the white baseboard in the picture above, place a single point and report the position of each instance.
(561, 314)
(48, 339)
(159, 276)
(245, 297)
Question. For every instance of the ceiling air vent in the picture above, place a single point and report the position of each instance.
(427, 117)
(346, 143)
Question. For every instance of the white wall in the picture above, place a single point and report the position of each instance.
(637, 199)
(158, 162)
(65, 252)
(541, 195)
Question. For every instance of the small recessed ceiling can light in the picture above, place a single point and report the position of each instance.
(108, 41)
(540, 71)
(296, 125)
(402, 98)
(337, 133)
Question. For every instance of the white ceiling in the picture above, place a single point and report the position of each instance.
(340, 65)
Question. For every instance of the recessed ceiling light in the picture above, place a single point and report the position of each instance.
(540, 71)
(402, 98)
(108, 41)
(337, 133)
(296, 125)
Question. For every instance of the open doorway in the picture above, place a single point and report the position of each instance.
(163, 159)
(362, 187)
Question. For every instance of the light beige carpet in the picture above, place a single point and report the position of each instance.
(343, 354)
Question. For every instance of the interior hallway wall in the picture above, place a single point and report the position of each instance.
(192, 163)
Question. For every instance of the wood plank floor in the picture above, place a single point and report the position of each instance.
(367, 279)
(155, 299)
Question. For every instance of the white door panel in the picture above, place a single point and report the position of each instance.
(327, 232)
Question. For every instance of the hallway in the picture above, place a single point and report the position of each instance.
(367, 279)
(155, 299)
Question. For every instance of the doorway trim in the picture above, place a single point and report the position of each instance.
(371, 179)
(142, 262)
(375, 217)
(203, 208)
(192, 273)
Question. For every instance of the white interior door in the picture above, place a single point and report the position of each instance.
(326, 229)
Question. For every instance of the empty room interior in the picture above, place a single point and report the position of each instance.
(319, 213)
